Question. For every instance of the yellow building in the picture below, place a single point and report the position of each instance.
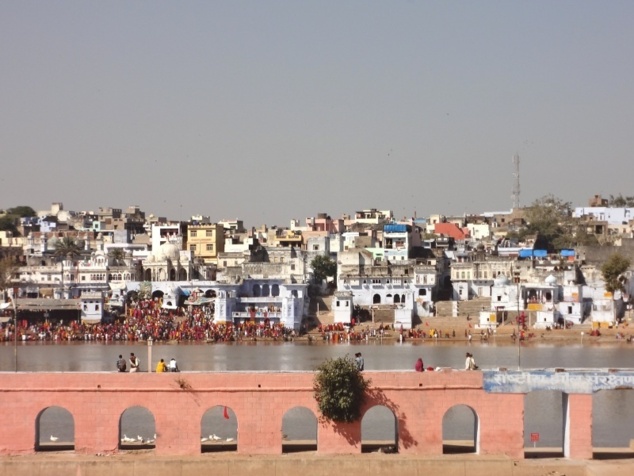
(206, 241)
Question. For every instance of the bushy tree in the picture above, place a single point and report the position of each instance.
(339, 388)
(7, 223)
(550, 218)
(22, 211)
(612, 271)
(323, 267)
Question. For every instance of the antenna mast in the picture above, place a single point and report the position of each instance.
(516, 184)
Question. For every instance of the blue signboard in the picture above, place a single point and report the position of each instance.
(574, 381)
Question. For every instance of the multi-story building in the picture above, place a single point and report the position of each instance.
(206, 241)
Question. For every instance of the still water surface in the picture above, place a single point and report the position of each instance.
(301, 356)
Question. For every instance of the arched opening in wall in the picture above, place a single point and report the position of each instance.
(182, 275)
(544, 424)
(613, 424)
(54, 430)
(210, 293)
(379, 431)
(158, 294)
(137, 429)
(299, 430)
(397, 299)
(172, 274)
(275, 290)
(376, 299)
(147, 274)
(265, 290)
(460, 430)
(256, 290)
(160, 275)
(219, 430)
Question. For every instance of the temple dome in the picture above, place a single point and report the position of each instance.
(550, 280)
(168, 251)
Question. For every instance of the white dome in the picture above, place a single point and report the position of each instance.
(501, 281)
(168, 251)
(551, 280)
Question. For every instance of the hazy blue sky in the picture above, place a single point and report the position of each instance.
(270, 110)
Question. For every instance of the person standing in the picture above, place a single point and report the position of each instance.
(359, 361)
(121, 365)
(134, 363)
(420, 367)
(161, 367)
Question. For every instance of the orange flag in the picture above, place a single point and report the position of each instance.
(225, 413)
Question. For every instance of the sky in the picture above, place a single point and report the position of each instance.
(271, 110)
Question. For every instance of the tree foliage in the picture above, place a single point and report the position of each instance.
(613, 270)
(620, 201)
(22, 211)
(9, 220)
(7, 267)
(550, 218)
(323, 267)
(339, 389)
(67, 247)
(7, 223)
(117, 255)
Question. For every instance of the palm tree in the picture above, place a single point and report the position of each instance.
(68, 248)
(117, 255)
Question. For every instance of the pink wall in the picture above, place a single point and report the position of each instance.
(418, 400)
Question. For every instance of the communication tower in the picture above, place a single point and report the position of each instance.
(516, 183)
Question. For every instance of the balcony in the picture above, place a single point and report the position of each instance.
(261, 300)
(257, 315)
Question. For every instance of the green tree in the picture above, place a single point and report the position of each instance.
(340, 389)
(67, 247)
(323, 267)
(550, 218)
(613, 270)
(7, 223)
(22, 211)
(117, 255)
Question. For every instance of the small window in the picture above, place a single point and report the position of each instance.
(209, 233)
(338, 303)
(499, 298)
(192, 248)
(210, 247)
(193, 233)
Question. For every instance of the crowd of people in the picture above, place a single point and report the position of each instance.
(146, 319)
